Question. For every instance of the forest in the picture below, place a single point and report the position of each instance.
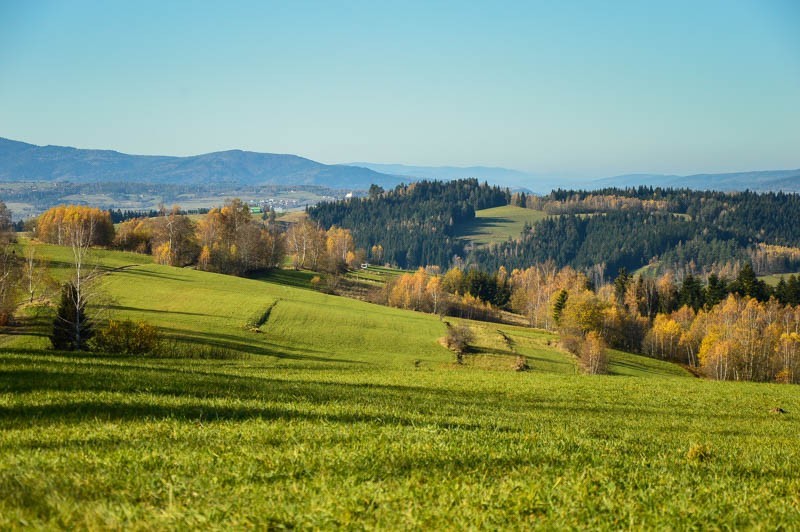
(413, 223)
(666, 229)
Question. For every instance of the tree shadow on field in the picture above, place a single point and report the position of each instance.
(230, 342)
(150, 393)
(108, 390)
(149, 273)
(158, 311)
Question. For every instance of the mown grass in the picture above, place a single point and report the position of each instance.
(344, 414)
(498, 224)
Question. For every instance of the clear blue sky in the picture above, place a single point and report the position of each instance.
(560, 88)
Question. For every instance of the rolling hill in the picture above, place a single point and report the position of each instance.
(20, 161)
(343, 414)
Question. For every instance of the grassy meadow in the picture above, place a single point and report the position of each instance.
(775, 278)
(339, 413)
(498, 224)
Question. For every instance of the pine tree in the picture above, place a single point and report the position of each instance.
(71, 327)
(559, 306)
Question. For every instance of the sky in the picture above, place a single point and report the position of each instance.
(572, 88)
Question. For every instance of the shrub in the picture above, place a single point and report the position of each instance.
(458, 339)
(521, 364)
(127, 337)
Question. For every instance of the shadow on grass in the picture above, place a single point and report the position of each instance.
(293, 278)
(196, 397)
(240, 345)
(157, 311)
(149, 273)
(83, 392)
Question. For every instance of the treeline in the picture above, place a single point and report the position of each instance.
(679, 230)
(227, 239)
(620, 239)
(750, 215)
(413, 224)
(728, 329)
(472, 295)
(118, 215)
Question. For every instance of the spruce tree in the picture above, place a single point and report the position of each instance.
(71, 327)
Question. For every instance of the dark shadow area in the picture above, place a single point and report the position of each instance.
(294, 278)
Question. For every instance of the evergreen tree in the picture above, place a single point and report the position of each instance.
(747, 284)
(559, 306)
(71, 327)
(716, 291)
(691, 292)
(621, 284)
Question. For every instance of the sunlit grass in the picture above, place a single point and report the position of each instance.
(339, 413)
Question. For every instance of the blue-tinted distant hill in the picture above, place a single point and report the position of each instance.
(20, 161)
(760, 181)
(505, 177)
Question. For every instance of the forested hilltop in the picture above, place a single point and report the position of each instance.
(604, 230)
(414, 224)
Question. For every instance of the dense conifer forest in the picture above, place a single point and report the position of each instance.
(414, 223)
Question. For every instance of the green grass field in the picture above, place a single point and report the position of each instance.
(498, 224)
(773, 279)
(339, 413)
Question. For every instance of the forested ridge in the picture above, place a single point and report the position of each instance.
(675, 229)
(609, 229)
(413, 223)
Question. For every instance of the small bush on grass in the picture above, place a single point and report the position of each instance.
(127, 337)
(458, 339)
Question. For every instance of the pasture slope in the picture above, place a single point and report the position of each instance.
(339, 413)
(498, 224)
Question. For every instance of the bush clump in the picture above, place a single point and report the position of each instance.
(458, 339)
(127, 337)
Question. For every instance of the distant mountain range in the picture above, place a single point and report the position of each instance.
(765, 180)
(20, 161)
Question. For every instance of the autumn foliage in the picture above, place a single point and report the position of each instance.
(61, 225)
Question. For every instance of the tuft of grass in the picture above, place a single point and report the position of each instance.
(699, 452)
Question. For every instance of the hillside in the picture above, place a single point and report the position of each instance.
(340, 412)
(497, 224)
(20, 161)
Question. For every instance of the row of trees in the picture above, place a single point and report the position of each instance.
(332, 251)
(427, 291)
(729, 329)
(227, 239)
